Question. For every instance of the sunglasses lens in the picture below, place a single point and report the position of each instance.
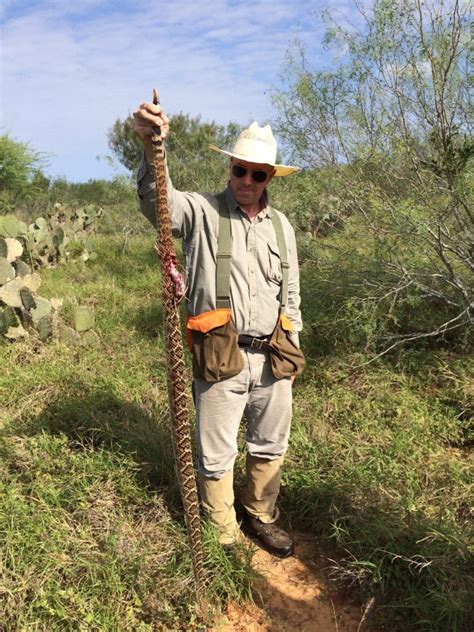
(259, 176)
(238, 171)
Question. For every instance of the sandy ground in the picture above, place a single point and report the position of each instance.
(292, 595)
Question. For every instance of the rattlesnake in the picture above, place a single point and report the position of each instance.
(172, 292)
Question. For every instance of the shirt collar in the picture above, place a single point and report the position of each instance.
(234, 205)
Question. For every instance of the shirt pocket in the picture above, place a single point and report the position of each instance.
(274, 265)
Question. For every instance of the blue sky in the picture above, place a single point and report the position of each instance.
(69, 69)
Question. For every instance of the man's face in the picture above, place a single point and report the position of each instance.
(246, 189)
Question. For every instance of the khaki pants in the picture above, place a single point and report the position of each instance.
(266, 403)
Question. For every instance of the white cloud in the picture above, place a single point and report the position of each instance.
(70, 69)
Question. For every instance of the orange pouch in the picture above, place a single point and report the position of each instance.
(213, 340)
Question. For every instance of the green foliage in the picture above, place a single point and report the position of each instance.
(377, 465)
(192, 165)
(10, 226)
(89, 503)
(120, 190)
(350, 300)
(386, 129)
(25, 189)
(91, 559)
(314, 201)
(21, 179)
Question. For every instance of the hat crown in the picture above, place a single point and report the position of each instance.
(257, 144)
(255, 132)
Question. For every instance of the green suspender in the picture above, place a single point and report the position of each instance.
(280, 235)
(224, 254)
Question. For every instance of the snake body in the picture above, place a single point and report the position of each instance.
(172, 292)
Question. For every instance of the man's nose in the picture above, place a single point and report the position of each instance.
(247, 178)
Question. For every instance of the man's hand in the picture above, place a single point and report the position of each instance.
(146, 118)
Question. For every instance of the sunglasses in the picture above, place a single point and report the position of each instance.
(258, 176)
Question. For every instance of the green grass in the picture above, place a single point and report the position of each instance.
(89, 505)
(378, 465)
(90, 520)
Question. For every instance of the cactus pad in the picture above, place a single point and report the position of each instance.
(27, 298)
(13, 333)
(7, 272)
(3, 248)
(68, 335)
(83, 318)
(90, 339)
(9, 226)
(10, 293)
(42, 309)
(7, 319)
(14, 249)
(44, 327)
(22, 268)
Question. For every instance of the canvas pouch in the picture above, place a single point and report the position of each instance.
(287, 360)
(213, 340)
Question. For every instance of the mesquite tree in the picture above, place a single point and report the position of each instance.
(190, 162)
(391, 118)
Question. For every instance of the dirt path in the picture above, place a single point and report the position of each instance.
(291, 595)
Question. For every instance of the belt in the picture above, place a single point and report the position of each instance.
(255, 343)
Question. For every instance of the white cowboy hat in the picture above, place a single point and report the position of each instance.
(257, 144)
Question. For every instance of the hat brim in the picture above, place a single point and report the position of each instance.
(280, 170)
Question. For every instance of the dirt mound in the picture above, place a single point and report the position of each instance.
(291, 595)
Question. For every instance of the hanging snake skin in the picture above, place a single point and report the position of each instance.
(172, 292)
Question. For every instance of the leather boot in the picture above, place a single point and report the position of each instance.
(271, 537)
(217, 499)
(259, 500)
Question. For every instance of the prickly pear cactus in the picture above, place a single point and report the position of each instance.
(21, 309)
(11, 226)
(83, 319)
(62, 234)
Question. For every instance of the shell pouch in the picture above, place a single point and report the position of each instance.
(286, 358)
(213, 340)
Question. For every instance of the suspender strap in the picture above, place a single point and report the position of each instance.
(224, 254)
(280, 235)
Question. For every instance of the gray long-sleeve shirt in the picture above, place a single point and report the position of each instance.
(255, 275)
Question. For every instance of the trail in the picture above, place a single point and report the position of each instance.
(292, 595)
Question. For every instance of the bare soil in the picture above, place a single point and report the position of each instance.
(292, 595)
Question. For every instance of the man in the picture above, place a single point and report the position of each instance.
(240, 317)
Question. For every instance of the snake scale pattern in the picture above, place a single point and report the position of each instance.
(177, 386)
